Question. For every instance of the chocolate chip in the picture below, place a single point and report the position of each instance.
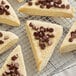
(41, 6)
(42, 45)
(58, 1)
(2, 2)
(7, 12)
(41, 34)
(46, 38)
(67, 6)
(7, 6)
(42, 29)
(30, 3)
(35, 34)
(1, 42)
(36, 3)
(62, 6)
(1, 34)
(52, 36)
(50, 29)
(48, 5)
(1, 10)
(14, 57)
(31, 25)
(70, 39)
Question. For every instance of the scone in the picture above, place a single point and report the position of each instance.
(69, 43)
(7, 40)
(20, 0)
(56, 8)
(14, 64)
(7, 14)
(43, 38)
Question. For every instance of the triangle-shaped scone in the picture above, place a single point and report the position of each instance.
(7, 40)
(43, 37)
(56, 8)
(69, 43)
(14, 64)
(7, 14)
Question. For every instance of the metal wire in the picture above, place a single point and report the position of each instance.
(57, 62)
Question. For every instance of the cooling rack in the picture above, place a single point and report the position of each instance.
(57, 62)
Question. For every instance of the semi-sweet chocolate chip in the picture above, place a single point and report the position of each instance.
(43, 35)
(1, 42)
(30, 3)
(1, 34)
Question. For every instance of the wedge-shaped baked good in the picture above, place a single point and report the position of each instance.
(20, 0)
(56, 8)
(69, 43)
(7, 14)
(43, 37)
(14, 64)
(7, 40)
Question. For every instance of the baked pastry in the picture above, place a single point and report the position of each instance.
(14, 65)
(43, 37)
(69, 43)
(20, 0)
(7, 14)
(7, 40)
(56, 8)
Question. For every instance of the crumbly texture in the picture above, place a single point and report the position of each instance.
(55, 12)
(42, 56)
(20, 61)
(68, 46)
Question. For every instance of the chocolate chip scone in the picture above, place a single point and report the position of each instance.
(56, 8)
(14, 64)
(7, 40)
(43, 38)
(7, 14)
(69, 43)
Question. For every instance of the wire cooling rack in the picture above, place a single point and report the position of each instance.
(57, 62)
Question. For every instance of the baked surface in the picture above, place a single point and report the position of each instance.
(66, 45)
(42, 56)
(11, 19)
(8, 43)
(20, 61)
(55, 12)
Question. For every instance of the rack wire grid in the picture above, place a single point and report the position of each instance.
(57, 62)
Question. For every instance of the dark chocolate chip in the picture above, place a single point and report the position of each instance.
(35, 34)
(14, 57)
(7, 6)
(36, 3)
(1, 34)
(58, 1)
(48, 5)
(1, 10)
(62, 6)
(50, 29)
(67, 6)
(30, 3)
(41, 6)
(51, 36)
(7, 12)
(41, 34)
(42, 29)
(42, 45)
(70, 39)
(2, 2)
(31, 25)
(1, 42)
